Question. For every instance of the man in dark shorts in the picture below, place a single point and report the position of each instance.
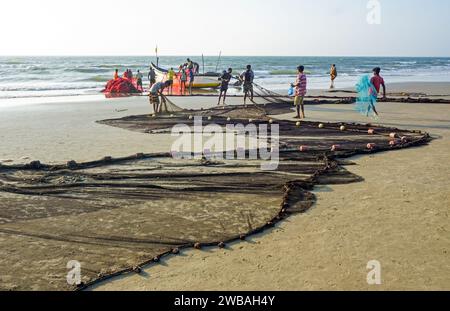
(225, 78)
(247, 77)
(152, 76)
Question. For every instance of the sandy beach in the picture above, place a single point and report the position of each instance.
(398, 215)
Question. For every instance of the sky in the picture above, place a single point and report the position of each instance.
(235, 27)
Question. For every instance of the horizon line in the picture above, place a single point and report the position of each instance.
(187, 55)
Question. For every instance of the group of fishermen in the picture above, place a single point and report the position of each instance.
(158, 100)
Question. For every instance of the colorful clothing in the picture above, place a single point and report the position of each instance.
(300, 85)
(170, 75)
(367, 95)
(377, 82)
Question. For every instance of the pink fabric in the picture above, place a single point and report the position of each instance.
(377, 81)
(300, 85)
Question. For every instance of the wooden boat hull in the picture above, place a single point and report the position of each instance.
(201, 81)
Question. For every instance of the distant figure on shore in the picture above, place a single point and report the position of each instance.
(225, 81)
(156, 91)
(247, 77)
(139, 77)
(116, 74)
(170, 77)
(191, 80)
(300, 92)
(151, 76)
(183, 79)
(333, 75)
(378, 81)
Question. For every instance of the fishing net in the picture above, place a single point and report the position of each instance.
(121, 86)
(116, 215)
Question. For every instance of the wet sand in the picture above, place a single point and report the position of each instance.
(398, 216)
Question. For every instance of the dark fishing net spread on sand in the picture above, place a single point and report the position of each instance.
(116, 215)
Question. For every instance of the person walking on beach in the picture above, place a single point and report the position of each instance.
(183, 79)
(139, 77)
(247, 77)
(374, 89)
(151, 76)
(300, 92)
(225, 81)
(378, 81)
(333, 75)
(170, 77)
(156, 91)
(116, 74)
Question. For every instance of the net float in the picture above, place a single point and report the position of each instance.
(404, 139)
(393, 135)
(175, 251)
(370, 146)
(342, 128)
(197, 246)
(137, 269)
(303, 148)
(371, 131)
(270, 121)
(221, 245)
(156, 259)
(321, 126)
(335, 147)
(228, 119)
(209, 118)
(392, 143)
(171, 115)
(242, 237)
(298, 124)
(250, 120)
(191, 117)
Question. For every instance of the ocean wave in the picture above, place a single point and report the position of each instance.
(46, 88)
(97, 79)
(87, 70)
(286, 72)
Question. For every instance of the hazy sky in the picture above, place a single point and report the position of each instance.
(235, 27)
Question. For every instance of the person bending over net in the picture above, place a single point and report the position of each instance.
(247, 77)
(156, 91)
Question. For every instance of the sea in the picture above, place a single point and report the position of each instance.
(31, 77)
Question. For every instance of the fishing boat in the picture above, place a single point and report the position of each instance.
(201, 81)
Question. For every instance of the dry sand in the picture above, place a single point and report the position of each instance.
(398, 216)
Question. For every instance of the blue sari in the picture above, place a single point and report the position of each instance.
(367, 96)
